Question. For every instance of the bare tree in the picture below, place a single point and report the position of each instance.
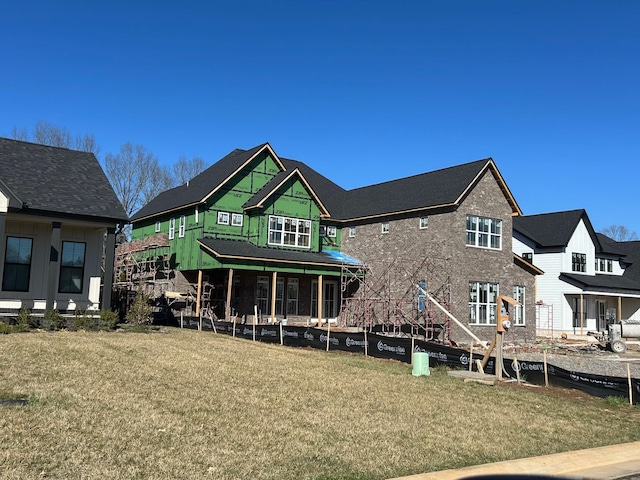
(48, 134)
(619, 233)
(136, 176)
(184, 170)
(19, 133)
(87, 143)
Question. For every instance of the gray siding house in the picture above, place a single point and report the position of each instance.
(57, 210)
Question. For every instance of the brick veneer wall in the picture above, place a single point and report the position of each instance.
(443, 243)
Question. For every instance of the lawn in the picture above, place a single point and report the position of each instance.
(188, 404)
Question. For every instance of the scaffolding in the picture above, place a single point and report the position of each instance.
(389, 300)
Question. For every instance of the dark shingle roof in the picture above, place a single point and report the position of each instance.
(247, 251)
(551, 229)
(609, 282)
(45, 179)
(631, 252)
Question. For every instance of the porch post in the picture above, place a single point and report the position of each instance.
(581, 315)
(54, 262)
(109, 257)
(619, 308)
(274, 278)
(320, 300)
(199, 294)
(3, 243)
(227, 310)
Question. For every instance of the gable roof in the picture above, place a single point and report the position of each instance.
(40, 179)
(446, 187)
(554, 229)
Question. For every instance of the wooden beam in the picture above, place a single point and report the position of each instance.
(274, 279)
(320, 300)
(199, 295)
(227, 310)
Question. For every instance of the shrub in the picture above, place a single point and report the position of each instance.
(140, 311)
(83, 321)
(27, 320)
(53, 320)
(108, 319)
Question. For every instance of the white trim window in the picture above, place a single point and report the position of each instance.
(236, 219)
(384, 227)
(424, 221)
(293, 232)
(223, 218)
(604, 265)
(483, 298)
(578, 262)
(332, 231)
(183, 224)
(196, 215)
(484, 232)
(158, 227)
(352, 232)
(172, 228)
(518, 313)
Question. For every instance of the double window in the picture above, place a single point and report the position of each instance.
(17, 264)
(517, 315)
(484, 232)
(72, 267)
(578, 262)
(292, 232)
(604, 265)
(483, 298)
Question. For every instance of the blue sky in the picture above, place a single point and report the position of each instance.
(362, 91)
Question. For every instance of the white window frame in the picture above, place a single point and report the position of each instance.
(182, 226)
(519, 311)
(424, 221)
(332, 231)
(289, 232)
(172, 228)
(196, 215)
(322, 231)
(223, 218)
(352, 232)
(483, 303)
(484, 232)
(384, 227)
(604, 265)
(158, 227)
(237, 219)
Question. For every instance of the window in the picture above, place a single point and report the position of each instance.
(385, 227)
(289, 231)
(528, 256)
(292, 296)
(223, 218)
(323, 231)
(424, 221)
(332, 232)
(17, 264)
(482, 303)
(517, 315)
(183, 223)
(279, 296)
(158, 227)
(196, 215)
(352, 232)
(578, 262)
(72, 267)
(484, 232)
(604, 265)
(236, 219)
(262, 295)
(172, 228)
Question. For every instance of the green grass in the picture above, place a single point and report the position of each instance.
(190, 404)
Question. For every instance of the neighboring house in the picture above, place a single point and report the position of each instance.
(57, 208)
(589, 279)
(257, 229)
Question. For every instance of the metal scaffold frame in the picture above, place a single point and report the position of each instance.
(388, 300)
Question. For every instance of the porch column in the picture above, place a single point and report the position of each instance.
(3, 243)
(274, 278)
(109, 257)
(199, 295)
(227, 309)
(54, 263)
(581, 315)
(320, 300)
(619, 308)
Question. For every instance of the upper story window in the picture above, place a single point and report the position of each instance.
(604, 265)
(578, 262)
(158, 227)
(385, 227)
(424, 221)
(183, 224)
(352, 232)
(196, 215)
(17, 264)
(223, 218)
(528, 256)
(293, 232)
(172, 228)
(72, 267)
(484, 232)
(483, 298)
(236, 219)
